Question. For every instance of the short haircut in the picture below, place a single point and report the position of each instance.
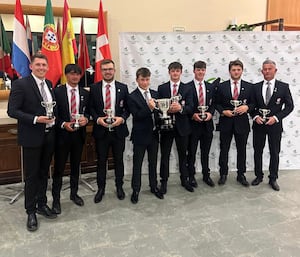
(71, 67)
(268, 61)
(236, 63)
(175, 66)
(107, 61)
(199, 65)
(143, 72)
(39, 56)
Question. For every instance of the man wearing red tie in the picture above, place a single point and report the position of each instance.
(234, 100)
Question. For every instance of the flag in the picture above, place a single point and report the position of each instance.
(50, 46)
(58, 32)
(29, 37)
(83, 53)
(5, 50)
(69, 48)
(102, 45)
(20, 51)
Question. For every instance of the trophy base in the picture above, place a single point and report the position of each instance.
(202, 117)
(166, 125)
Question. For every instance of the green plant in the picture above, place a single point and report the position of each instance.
(241, 27)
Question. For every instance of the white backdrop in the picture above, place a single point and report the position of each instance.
(157, 50)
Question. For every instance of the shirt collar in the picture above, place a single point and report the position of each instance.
(70, 88)
(38, 80)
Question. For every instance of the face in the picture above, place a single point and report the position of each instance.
(236, 72)
(269, 71)
(108, 72)
(39, 68)
(199, 73)
(73, 78)
(143, 82)
(175, 74)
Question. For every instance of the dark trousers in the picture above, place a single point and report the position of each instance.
(36, 163)
(138, 156)
(166, 141)
(259, 139)
(72, 147)
(241, 142)
(102, 147)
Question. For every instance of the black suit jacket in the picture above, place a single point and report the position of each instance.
(97, 107)
(63, 111)
(143, 125)
(24, 104)
(209, 101)
(239, 123)
(182, 123)
(281, 102)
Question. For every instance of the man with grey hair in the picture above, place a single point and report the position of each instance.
(273, 102)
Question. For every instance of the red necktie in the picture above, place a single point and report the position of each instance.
(73, 102)
(201, 96)
(107, 97)
(235, 91)
(174, 89)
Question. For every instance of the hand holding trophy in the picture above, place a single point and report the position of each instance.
(49, 108)
(109, 119)
(164, 105)
(202, 109)
(264, 113)
(236, 104)
(76, 117)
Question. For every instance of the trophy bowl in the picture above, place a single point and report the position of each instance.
(236, 104)
(109, 119)
(76, 117)
(49, 108)
(202, 109)
(264, 113)
(164, 105)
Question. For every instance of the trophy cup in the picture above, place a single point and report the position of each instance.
(109, 119)
(236, 104)
(175, 99)
(49, 108)
(202, 109)
(164, 105)
(264, 113)
(76, 117)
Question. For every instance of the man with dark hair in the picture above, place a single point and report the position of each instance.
(36, 136)
(234, 100)
(109, 96)
(144, 133)
(202, 127)
(274, 98)
(71, 101)
(179, 110)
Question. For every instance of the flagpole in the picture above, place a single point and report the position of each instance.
(1, 44)
(84, 60)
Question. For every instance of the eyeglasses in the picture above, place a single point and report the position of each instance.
(108, 69)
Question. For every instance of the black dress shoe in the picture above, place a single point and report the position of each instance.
(256, 181)
(242, 179)
(187, 186)
(222, 180)
(207, 180)
(56, 209)
(77, 200)
(32, 224)
(163, 187)
(120, 193)
(135, 197)
(99, 195)
(274, 185)
(193, 182)
(157, 193)
(46, 212)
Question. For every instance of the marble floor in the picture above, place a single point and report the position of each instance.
(225, 221)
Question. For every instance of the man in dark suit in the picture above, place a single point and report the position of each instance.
(111, 95)
(179, 110)
(36, 136)
(144, 133)
(202, 127)
(234, 121)
(70, 100)
(275, 97)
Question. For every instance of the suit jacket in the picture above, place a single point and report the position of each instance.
(143, 125)
(97, 107)
(209, 101)
(182, 123)
(281, 102)
(239, 123)
(63, 111)
(24, 104)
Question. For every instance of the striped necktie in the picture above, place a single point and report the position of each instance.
(201, 96)
(107, 97)
(235, 91)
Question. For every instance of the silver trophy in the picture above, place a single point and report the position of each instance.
(264, 113)
(164, 105)
(109, 119)
(202, 109)
(49, 108)
(175, 99)
(76, 117)
(236, 104)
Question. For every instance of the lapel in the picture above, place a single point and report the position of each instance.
(118, 91)
(208, 92)
(65, 96)
(140, 98)
(50, 89)
(242, 91)
(180, 89)
(100, 95)
(260, 97)
(35, 89)
(227, 89)
(81, 100)
(274, 93)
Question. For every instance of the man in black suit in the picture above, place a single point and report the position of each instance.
(275, 97)
(144, 133)
(234, 121)
(179, 110)
(36, 136)
(202, 127)
(111, 95)
(70, 137)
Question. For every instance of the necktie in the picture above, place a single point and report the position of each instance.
(73, 102)
(268, 92)
(235, 91)
(43, 92)
(107, 97)
(174, 90)
(201, 96)
(146, 96)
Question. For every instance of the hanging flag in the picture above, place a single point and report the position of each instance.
(83, 53)
(29, 37)
(20, 51)
(69, 48)
(102, 45)
(58, 33)
(5, 50)
(50, 46)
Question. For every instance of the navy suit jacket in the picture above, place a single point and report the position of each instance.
(24, 104)
(97, 107)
